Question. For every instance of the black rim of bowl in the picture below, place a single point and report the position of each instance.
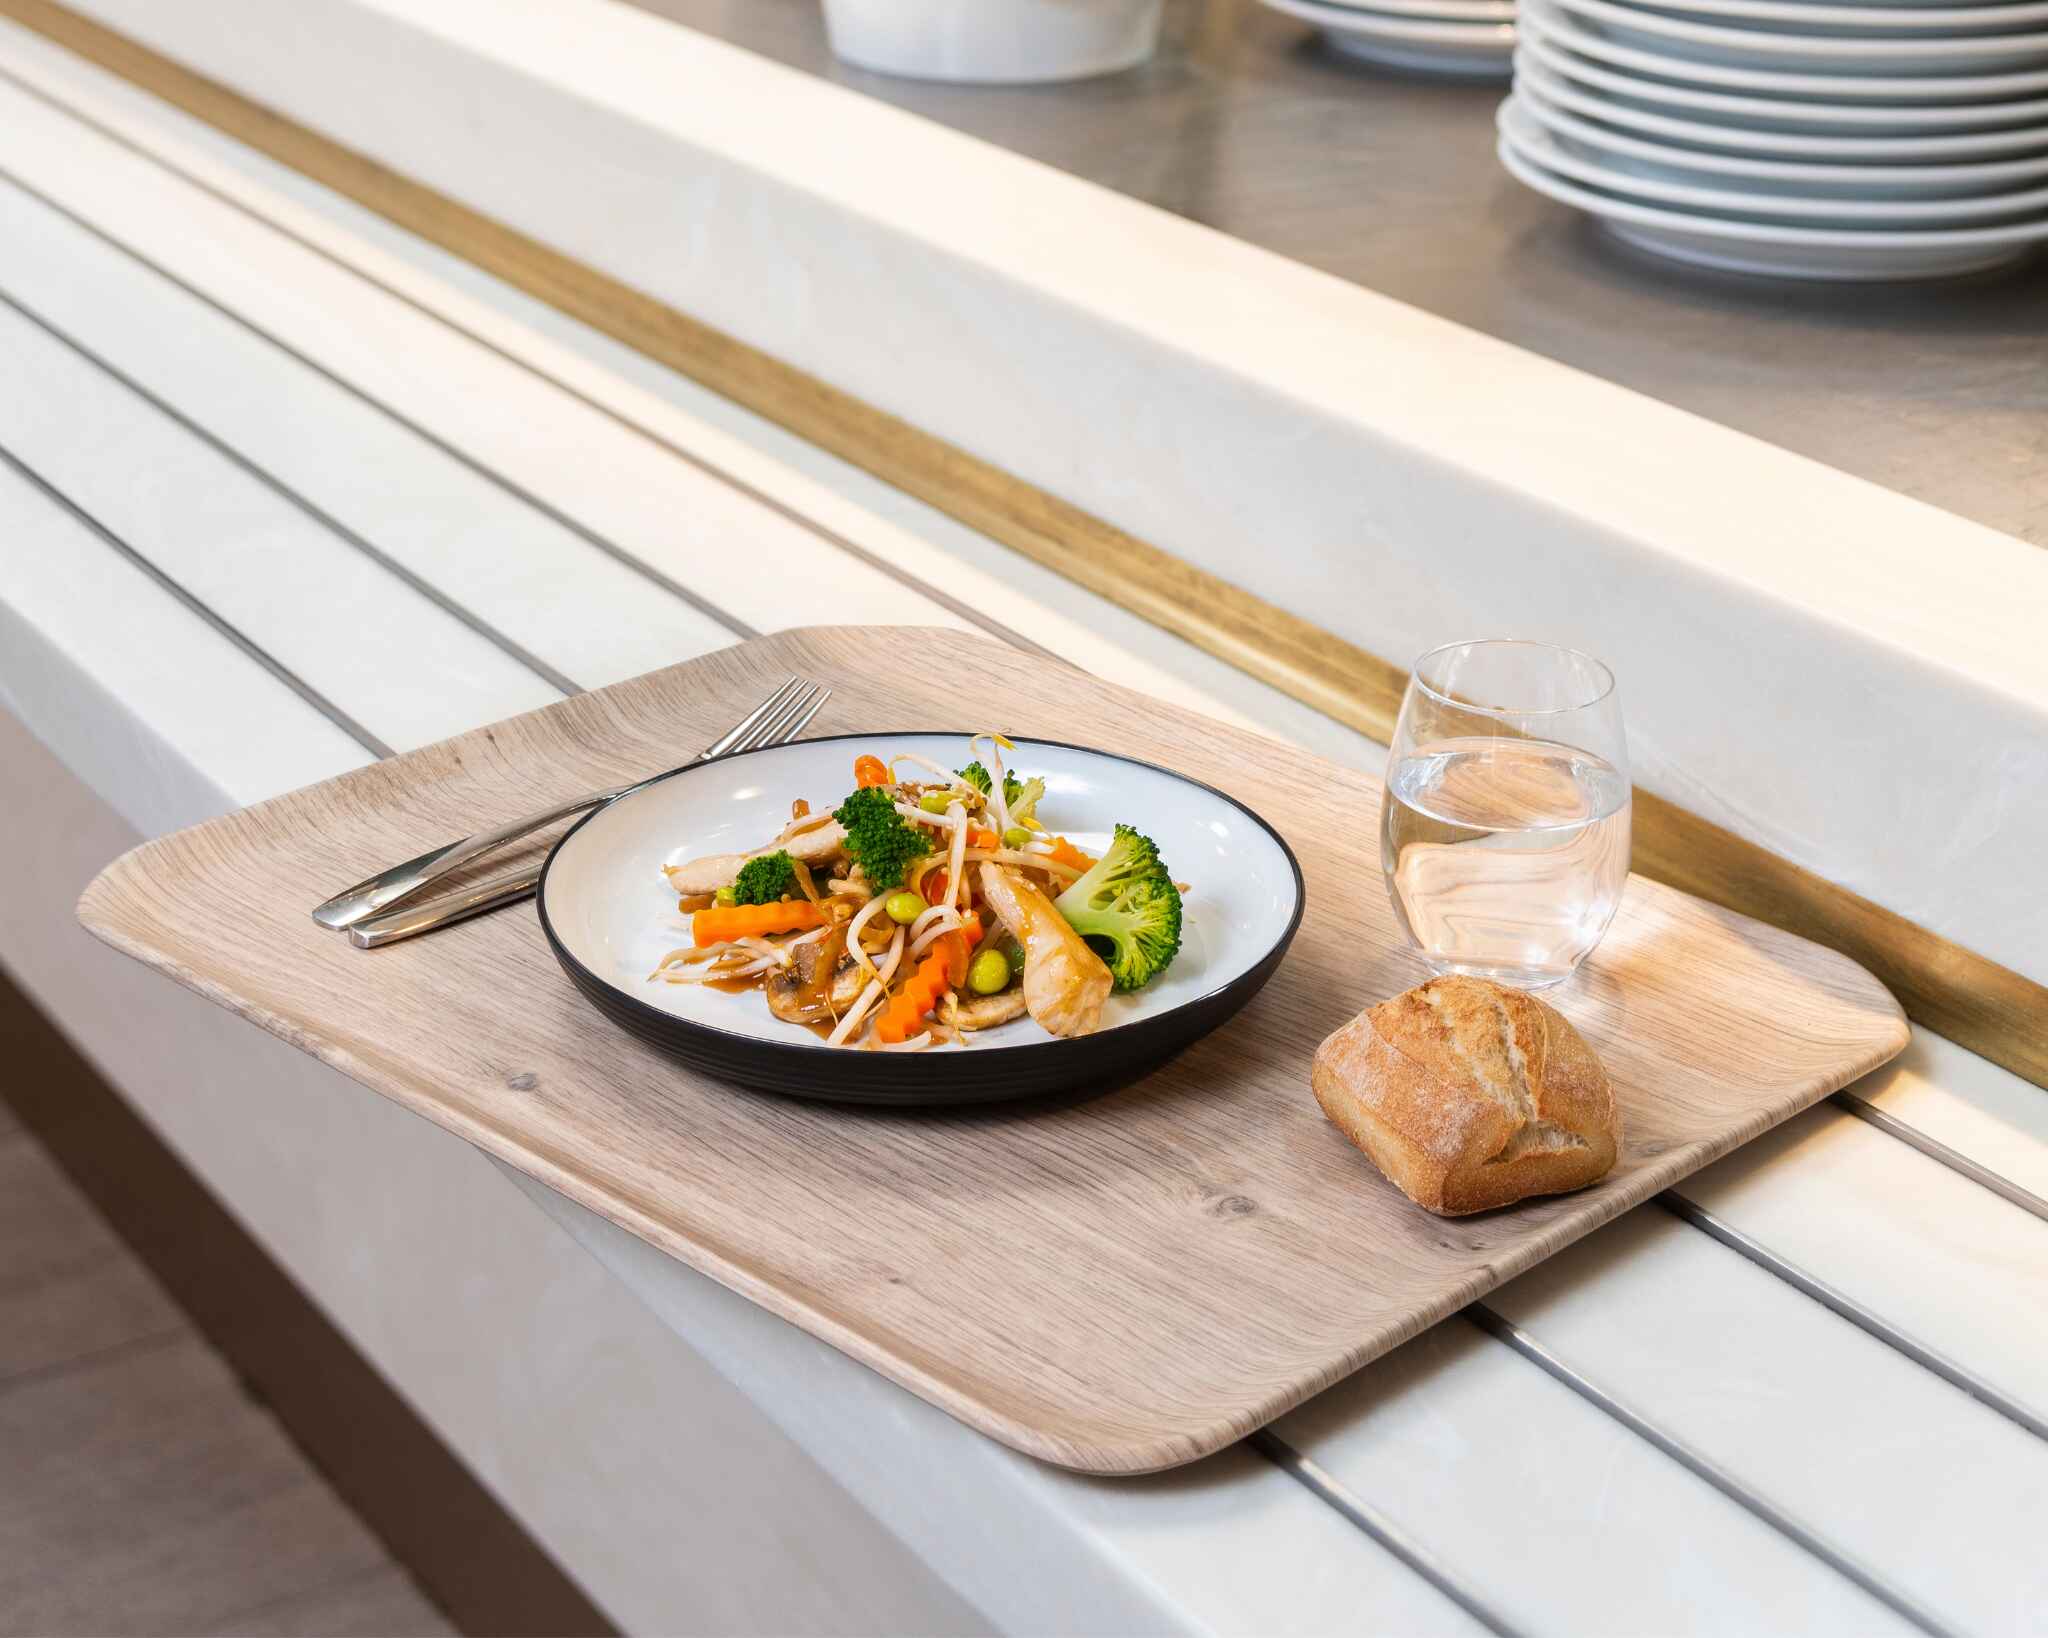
(1015, 1070)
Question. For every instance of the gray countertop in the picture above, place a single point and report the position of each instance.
(1246, 124)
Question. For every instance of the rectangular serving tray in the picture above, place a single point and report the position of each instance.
(1117, 1285)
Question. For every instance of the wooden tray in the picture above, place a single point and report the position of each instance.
(1117, 1285)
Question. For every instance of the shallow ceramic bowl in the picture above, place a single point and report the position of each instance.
(610, 916)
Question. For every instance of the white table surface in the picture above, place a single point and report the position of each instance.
(283, 489)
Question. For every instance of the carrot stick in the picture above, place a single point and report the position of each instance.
(942, 970)
(1068, 854)
(917, 997)
(729, 921)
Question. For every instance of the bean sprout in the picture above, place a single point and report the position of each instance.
(952, 924)
(942, 820)
(929, 915)
(998, 804)
(797, 827)
(1030, 861)
(689, 954)
(895, 957)
(866, 914)
(946, 774)
(712, 971)
(854, 1014)
(956, 880)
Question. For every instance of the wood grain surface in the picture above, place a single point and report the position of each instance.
(1119, 1284)
(1989, 1008)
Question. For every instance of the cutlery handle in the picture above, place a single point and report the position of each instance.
(366, 898)
(777, 720)
(479, 900)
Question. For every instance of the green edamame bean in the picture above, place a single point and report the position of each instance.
(1016, 836)
(935, 801)
(905, 907)
(989, 973)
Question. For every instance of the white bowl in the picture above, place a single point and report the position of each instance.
(1616, 74)
(1597, 144)
(1584, 89)
(994, 42)
(1616, 173)
(1827, 17)
(1454, 49)
(1777, 249)
(1904, 90)
(1778, 50)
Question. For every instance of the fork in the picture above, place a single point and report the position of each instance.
(365, 909)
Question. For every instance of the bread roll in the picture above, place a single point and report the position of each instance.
(1470, 1095)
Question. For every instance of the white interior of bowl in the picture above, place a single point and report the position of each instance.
(609, 904)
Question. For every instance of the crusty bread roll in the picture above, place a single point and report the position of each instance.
(1470, 1095)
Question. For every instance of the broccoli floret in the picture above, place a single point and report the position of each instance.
(883, 843)
(1127, 909)
(1019, 796)
(764, 880)
(977, 776)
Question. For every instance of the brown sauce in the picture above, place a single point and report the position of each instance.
(812, 1002)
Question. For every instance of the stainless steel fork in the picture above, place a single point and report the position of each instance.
(365, 909)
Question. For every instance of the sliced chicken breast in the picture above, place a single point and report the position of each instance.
(814, 848)
(1065, 982)
(987, 1011)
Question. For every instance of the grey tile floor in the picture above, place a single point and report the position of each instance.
(141, 1490)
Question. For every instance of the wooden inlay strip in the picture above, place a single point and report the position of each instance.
(1972, 1000)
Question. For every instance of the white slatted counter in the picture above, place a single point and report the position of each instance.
(281, 490)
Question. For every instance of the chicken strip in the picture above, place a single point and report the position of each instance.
(1065, 982)
(814, 848)
(987, 1011)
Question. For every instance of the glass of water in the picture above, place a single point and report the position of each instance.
(1505, 830)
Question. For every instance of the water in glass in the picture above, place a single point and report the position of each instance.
(1505, 831)
(1506, 858)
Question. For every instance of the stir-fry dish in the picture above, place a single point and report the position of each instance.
(928, 905)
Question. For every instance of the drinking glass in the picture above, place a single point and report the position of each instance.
(1505, 830)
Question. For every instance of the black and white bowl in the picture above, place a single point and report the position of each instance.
(609, 916)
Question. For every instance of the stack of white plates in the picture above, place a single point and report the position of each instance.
(1471, 39)
(1818, 140)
